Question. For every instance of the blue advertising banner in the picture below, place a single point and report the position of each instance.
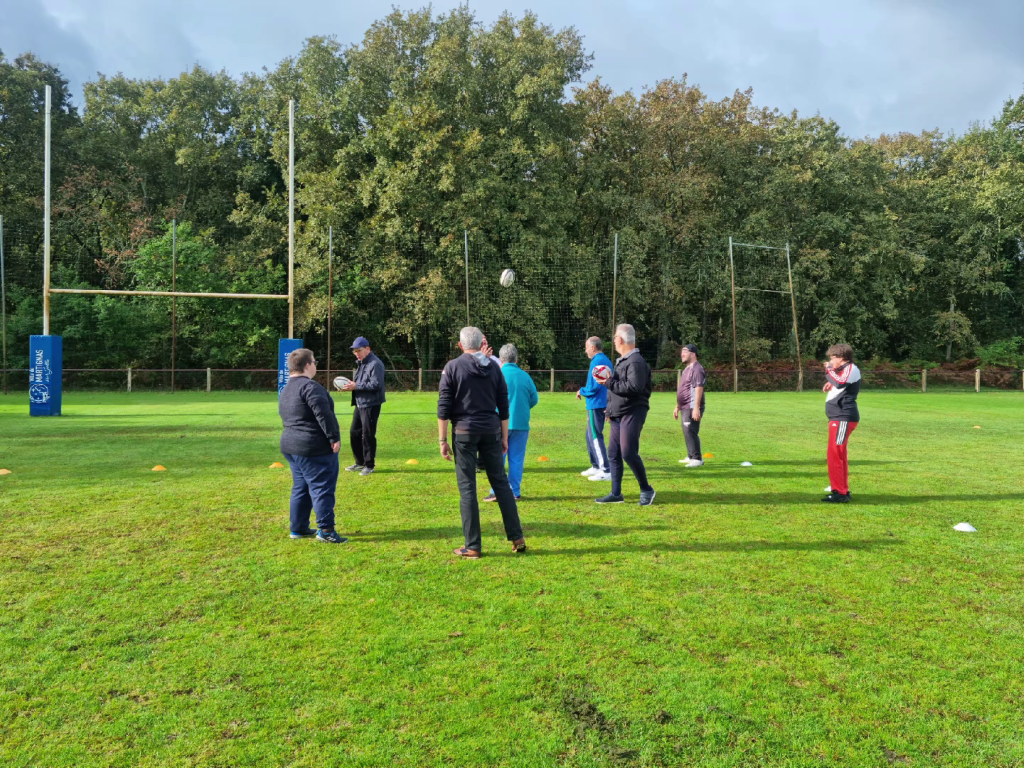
(45, 369)
(284, 348)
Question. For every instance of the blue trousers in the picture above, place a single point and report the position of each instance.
(595, 439)
(516, 458)
(314, 479)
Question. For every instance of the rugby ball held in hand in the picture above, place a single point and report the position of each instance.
(507, 278)
(602, 372)
(341, 381)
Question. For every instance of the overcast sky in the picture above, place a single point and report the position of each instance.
(875, 66)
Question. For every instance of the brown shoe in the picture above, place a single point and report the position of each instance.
(469, 554)
(519, 546)
(490, 497)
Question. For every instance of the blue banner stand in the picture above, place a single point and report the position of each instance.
(284, 348)
(45, 375)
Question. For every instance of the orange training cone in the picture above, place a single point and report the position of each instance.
(159, 468)
(709, 455)
(542, 458)
(276, 465)
(5, 471)
(412, 461)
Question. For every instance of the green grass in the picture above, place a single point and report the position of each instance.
(166, 619)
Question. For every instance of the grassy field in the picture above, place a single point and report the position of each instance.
(167, 619)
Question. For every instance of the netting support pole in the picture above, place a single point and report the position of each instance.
(291, 217)
(465, 234)
(209, 379)
(796, 333)
(552, 387)
(924, 379)
(46, 222)
(174, 299)
(3, 302)
(732, 282)
(977, 379)
(615, 283)
(330, 296)
(129, 380)
(419, 381)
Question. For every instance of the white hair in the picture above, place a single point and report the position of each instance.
(509, 354)
(471, 337)
(627, 333)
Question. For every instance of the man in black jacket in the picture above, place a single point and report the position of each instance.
(310, 442)
(629, 398)
(367, 397)
(473, 396)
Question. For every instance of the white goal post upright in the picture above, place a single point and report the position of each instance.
(46, 352)
(792, 299)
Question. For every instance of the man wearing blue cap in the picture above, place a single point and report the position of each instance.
(367, 397)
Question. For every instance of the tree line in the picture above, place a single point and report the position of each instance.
(909, 246)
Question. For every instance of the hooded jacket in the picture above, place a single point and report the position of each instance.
(473, 394)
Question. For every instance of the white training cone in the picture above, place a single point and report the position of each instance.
(746, 464)
(965, 528)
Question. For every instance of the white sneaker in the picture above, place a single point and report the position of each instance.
(695, 463)
(589, 472)
(599, 476)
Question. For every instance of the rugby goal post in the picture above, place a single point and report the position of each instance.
(46, 351)
(792, 302)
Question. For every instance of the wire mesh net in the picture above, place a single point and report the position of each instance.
(764, 310)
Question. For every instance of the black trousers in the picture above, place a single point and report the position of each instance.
(624, 446)
(488, 447)
(691, 433)
(362, 435)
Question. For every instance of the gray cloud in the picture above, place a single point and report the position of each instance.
(876, 66)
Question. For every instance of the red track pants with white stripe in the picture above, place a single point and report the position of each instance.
(838, 465)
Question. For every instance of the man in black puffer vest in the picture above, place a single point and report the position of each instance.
(629, 399)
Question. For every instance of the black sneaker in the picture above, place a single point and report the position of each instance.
(837, 498)
(330, 538)
(647, 498)
(307, 534)
(611, 498)
(355, 468)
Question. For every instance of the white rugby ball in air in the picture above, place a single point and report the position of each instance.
(602, 372)
(341, 381)
(507, 278)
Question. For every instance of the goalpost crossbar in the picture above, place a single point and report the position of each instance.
(178, 294)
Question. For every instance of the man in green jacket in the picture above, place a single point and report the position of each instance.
(522, 396)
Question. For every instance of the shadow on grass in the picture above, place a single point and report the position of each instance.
(862, 499)
(552, 530)
(831, 545)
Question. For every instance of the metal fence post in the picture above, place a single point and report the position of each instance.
(419, 381)
(977, 379)
(129, 380)
(800, 380)
(209, 379)
(679, 377)
(735, 380)
(924, 379)
(552, 380)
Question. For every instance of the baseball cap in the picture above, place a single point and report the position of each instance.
(361, 341)
(691, 347)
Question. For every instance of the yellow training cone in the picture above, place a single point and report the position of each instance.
(976, 427)
(542, 458)
(5, 471)
(709, 455)
(276, 465)
(159, 468)
(412, 461)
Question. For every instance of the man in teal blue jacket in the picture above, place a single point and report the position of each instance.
(522, 396)
(597, 401)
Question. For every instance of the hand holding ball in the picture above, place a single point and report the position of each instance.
(602, 373)
(507, 278)
(340, 382)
